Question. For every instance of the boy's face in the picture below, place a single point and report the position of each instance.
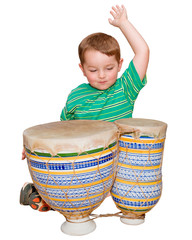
(100, 70)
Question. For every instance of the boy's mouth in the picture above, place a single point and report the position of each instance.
(102, 82)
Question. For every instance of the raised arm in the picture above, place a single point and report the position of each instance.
(136, 41)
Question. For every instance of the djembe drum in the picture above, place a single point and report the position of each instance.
(72, 165)
(138, 184)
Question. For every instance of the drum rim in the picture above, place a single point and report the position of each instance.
(142, 126)
(102, 134)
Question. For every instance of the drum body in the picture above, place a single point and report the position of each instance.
(138, 184)
(74, 183)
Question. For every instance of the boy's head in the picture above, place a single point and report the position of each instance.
(101, 42)
(100, 59)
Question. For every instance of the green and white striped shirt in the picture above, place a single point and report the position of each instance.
(116, 102)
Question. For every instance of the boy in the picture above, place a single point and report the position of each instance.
(105, 97)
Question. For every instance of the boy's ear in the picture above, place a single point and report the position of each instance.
(120, 64)
(81, 67)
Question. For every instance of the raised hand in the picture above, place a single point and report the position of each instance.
(119, 15)
(136, 41)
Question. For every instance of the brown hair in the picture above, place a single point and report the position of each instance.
(101, 42)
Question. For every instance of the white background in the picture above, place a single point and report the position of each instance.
(39, 67)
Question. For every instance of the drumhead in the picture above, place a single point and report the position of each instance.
(140, 127)
(70, 136)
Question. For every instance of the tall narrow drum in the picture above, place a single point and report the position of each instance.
(72, 165)
(138, 184)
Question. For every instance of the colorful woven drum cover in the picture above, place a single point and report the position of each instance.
(138, 182)
(74, 183)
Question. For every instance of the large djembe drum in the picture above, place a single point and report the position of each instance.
(72, 165)
(138, 184)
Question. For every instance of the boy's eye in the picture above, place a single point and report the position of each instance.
(92, 70)
(109, 68)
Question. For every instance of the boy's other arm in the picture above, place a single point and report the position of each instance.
(23, 154)
(136, 41)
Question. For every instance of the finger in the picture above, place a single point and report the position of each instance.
(123, 8)
(110, 20)
(117, 6)
(113, 14)
(115, 9)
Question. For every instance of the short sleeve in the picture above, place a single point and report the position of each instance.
(132, 83)
(75, 99)
(65, 115)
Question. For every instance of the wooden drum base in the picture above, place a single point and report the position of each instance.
(78, 227)
(133, 220)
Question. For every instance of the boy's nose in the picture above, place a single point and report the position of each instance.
(101, 74)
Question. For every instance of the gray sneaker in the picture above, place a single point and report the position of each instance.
(26, 191)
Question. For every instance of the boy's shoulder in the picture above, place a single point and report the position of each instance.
(82, 91)
(82, 86)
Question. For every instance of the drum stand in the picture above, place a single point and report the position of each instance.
(132, 219)
(83, 226)
(78, 227)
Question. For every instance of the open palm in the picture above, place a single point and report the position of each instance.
(119, 15)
